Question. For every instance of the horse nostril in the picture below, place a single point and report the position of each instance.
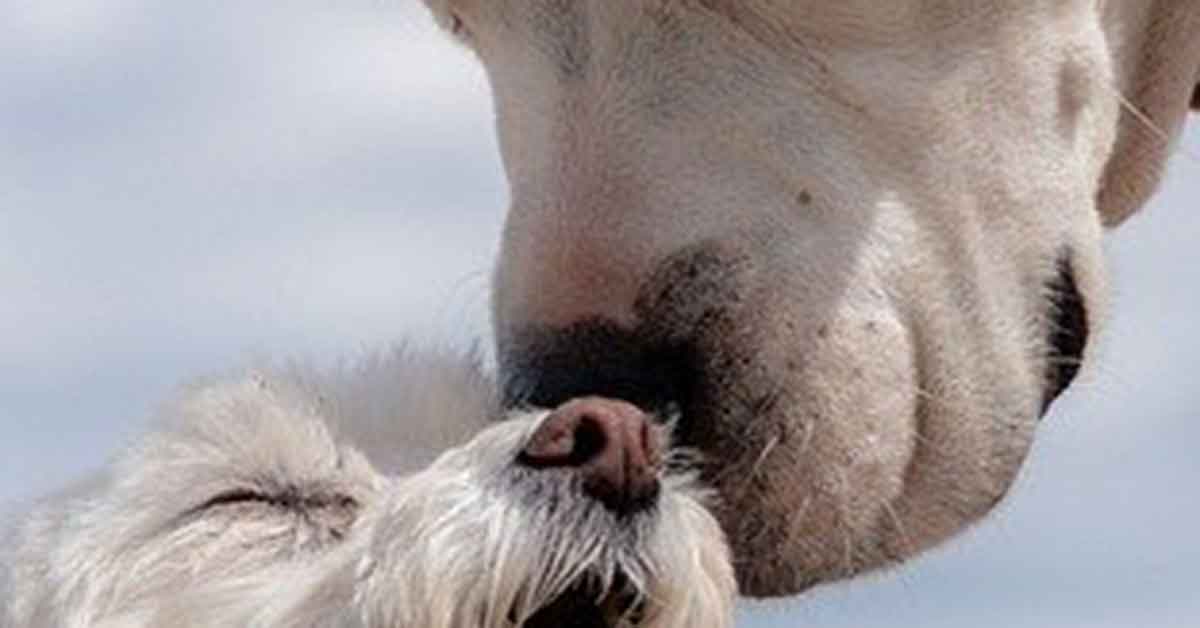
(609, 443)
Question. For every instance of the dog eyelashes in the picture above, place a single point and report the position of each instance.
(236, 496)
(286, 500)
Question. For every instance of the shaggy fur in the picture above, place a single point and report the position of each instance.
(833, 234)
(291, 498)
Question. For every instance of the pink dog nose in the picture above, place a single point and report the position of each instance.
(610, 443)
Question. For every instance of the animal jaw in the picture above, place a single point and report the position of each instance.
(844, 240)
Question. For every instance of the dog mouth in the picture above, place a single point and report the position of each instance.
(587, 605)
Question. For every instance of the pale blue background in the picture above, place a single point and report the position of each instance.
(185, 185)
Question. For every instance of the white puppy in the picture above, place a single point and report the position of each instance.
(289, 498)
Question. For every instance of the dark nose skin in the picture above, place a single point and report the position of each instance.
(611, 444)
(545, 366)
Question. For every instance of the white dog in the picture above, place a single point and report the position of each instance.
(858, 245)
(857, 242)
(287, 499)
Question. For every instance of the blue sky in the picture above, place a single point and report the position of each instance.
(186, 186)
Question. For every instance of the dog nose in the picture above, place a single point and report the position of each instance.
(611, 444)
(545, 367)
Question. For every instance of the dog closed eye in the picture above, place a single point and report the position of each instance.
(290, 500)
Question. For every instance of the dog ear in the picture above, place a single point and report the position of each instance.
(1156, 55)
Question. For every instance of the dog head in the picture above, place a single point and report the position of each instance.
(857, 243)
(572, 519)
(255, 506)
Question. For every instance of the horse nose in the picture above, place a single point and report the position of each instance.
(611, 444)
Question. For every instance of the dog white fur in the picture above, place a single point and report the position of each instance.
(296, 498)
(859, 242)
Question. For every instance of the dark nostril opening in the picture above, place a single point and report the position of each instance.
(608, 445)
(590, 441)
(566, 440)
